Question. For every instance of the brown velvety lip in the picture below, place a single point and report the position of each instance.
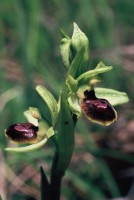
(22, 133)
(97, 110)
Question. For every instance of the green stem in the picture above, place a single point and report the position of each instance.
(59, 166)
(45, 187)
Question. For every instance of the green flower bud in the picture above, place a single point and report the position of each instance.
(79, 40)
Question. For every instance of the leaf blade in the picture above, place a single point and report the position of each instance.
(65, 128)
(44, 185)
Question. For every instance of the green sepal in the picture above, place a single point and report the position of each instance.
(74, 104)
(33, 147)
(50, 101)
(72, 84)
(92, 73)
(114, 97)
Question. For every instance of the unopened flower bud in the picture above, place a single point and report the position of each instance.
(22, 133)
(97, 110)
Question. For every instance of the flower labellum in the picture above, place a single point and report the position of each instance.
(97, 110)
(22, 133)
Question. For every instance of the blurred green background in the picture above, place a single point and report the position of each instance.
(102, 164)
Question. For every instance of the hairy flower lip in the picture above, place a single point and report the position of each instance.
(97, 110)
(22, 133)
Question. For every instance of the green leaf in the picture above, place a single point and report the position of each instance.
(65, 128)
(45, 187)
(113, 96)
(50, 101)
(72, 84)
(91, 73)
(32, 147)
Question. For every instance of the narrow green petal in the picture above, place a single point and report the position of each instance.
(91, 73)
